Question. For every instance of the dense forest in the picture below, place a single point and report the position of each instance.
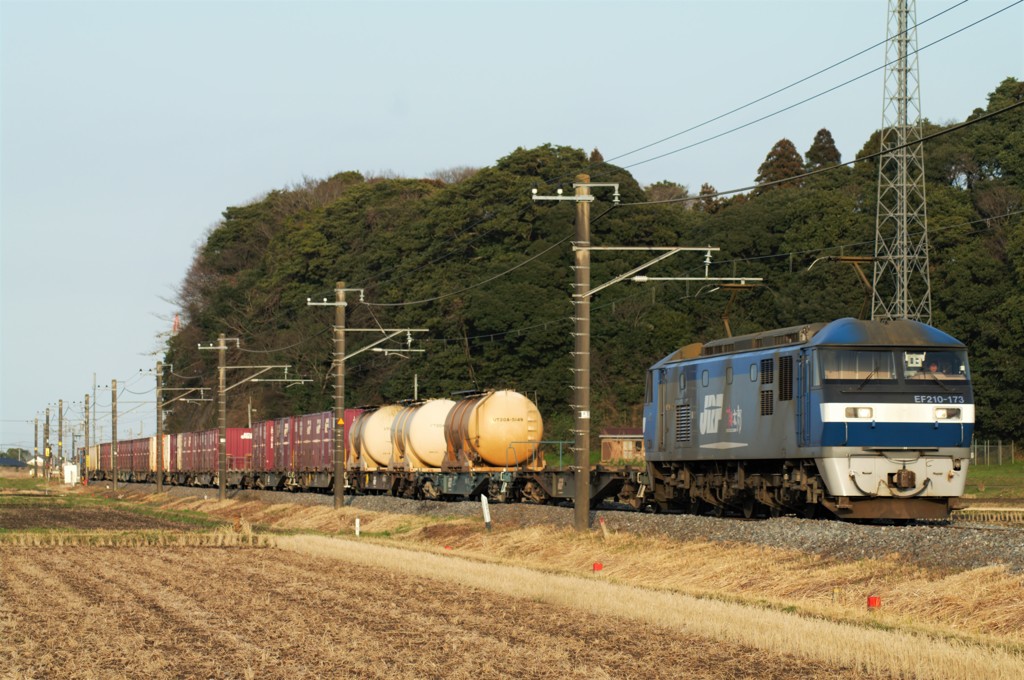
(468, 255)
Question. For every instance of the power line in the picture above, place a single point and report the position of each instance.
(815, 96)
(778, 91)
(835, 166)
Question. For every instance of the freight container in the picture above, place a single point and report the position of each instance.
(314, 442)
(239, 448)
(263, 446)
(105, 464)
(283, 438)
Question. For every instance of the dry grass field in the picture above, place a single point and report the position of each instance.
(190, 587)
(259, 613)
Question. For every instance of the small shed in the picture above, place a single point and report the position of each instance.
(622, 443)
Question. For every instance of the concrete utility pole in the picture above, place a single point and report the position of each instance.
(85, 462)
(60, 434)
(222, 389)
(581, 355)
(159, 427)
(340, 462)
(35, 458)
(339, 397)
(113, 428)
(581, 332)
(46, 445)
(222, 419)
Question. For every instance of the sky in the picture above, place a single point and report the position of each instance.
(126, 128)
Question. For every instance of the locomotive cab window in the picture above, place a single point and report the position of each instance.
(858, 366)
(941, 365)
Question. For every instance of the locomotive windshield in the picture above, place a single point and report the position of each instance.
(879, 366)
(862, 366)
(942, 365)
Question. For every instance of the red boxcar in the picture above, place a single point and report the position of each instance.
(314, 441)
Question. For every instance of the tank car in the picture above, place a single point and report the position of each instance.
(443, 448)
(863, 419)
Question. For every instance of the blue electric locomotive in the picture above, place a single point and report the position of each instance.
(864, 419)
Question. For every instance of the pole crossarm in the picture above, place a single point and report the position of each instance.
(743, 280)
(389, 334)
(260, 370)
(669, 252)
(187, 391)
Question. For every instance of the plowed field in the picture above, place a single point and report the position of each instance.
(264, 613)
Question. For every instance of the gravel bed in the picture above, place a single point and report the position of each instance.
(955, 546)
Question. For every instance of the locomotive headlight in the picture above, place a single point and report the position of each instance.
(947, 414)
(859, 411)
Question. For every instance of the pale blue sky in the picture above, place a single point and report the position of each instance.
(127, 127)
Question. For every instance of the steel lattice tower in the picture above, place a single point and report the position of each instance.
(902, 289)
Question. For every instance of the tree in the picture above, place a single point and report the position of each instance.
(708, 202)
(823, 151)
(666, 190)
(596, 157)
(782, 162)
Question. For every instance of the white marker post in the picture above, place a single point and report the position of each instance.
(357, 527)
(487, 512)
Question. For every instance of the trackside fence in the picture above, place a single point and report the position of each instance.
(993, 452)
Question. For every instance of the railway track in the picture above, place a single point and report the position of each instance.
(991, 511)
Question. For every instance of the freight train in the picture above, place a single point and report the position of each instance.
(862, 419)
(854, 419)
(487, 443)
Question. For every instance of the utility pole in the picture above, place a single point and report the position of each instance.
(159, 427)
(581, 354)
(581, 332)
(222, 419)
(60, 436)
(46, 445)
(222, 389)
(113, 428)
(35, 458)
(340, 475)
(85, 463)
(339, 397)
(94, 413)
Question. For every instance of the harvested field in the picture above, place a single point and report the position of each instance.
(41, 513)
(424, 595)
(232, 613)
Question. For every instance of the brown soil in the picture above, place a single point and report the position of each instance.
(90, 612)
(45, 515)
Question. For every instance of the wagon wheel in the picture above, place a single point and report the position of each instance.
(533, 493)
(429, 491)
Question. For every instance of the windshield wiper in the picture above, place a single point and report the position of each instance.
(867, 378)
(943, 384)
